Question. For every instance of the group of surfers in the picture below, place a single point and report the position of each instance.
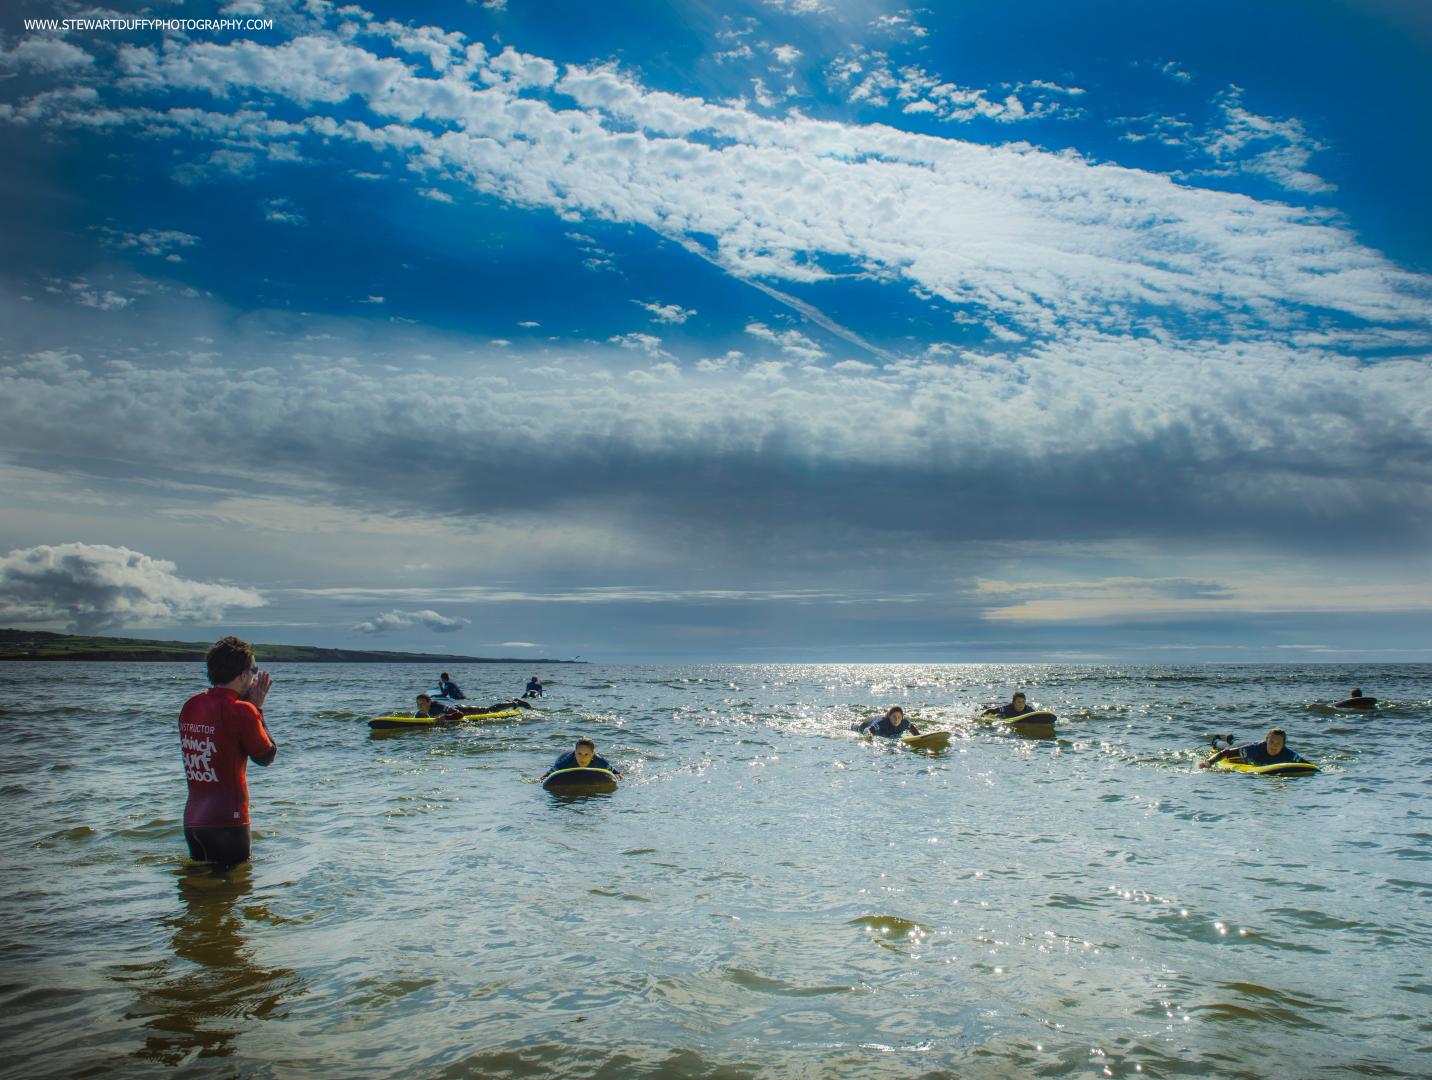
(894, 723)
(582, 756)
(1271, 750)
(445, 711)
(222, 729)
(453, 692)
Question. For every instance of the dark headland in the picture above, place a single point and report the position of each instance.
(43, 645)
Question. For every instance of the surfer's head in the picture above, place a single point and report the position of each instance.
(584, 752)
(229, 659)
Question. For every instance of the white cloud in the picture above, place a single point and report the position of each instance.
(868, 77)
(1174, 71)
(762, 96)
(45, 55)
(219, 163)
(800, 7)
(97, 587)
(1276, 149)
(742, 51)
(1053, 88)
(1170, 131)
(902, 24)
(390, 621)
(791, 342)
(786, 54)
(435, 194)
(95, 297)
(157, 242)
(282, 211)
(646, 343)
(673, 314)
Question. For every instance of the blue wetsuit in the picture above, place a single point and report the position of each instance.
(534, 689)
(450, 689)
(444, 714)
(886, 730)
(1257, 754)
(569, 761)
(1012, 709)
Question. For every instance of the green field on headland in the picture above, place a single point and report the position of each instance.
(43, 645)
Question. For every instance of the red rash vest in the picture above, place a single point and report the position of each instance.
(218, 734)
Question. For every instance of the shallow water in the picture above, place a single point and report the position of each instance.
(766, 895)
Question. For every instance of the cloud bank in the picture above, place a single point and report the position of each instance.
(92, 588)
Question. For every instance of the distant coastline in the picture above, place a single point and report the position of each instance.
(45, 645)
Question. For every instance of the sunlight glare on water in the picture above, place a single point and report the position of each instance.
(767, 894)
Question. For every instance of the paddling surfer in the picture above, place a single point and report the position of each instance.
(1273, 750)
(890, 726)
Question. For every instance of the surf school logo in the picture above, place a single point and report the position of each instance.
(198, 759)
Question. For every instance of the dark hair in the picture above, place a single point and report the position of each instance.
(229, 659)
(444, 675)
(1020, 693)
(584, 741)
(424, 697)
(1278, 731)
(1356, 691)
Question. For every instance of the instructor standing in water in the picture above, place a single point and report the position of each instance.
(220, 731)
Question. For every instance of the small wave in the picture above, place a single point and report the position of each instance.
(1255, 1002)
(891, 925)
(749, 980)
(620, 895)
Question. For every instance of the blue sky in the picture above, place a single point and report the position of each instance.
(793, 329)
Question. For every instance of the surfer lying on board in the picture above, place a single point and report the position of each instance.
(582, 756)
(1271, 751)
(890, 726)
(436, 710)
(1358, 700)
(1017, 707)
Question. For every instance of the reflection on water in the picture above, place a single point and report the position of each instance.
(210, 989)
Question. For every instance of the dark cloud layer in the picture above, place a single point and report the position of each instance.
(762, 464)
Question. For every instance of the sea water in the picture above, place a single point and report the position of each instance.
(767, 894)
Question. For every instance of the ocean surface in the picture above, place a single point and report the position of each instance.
(767, 895)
